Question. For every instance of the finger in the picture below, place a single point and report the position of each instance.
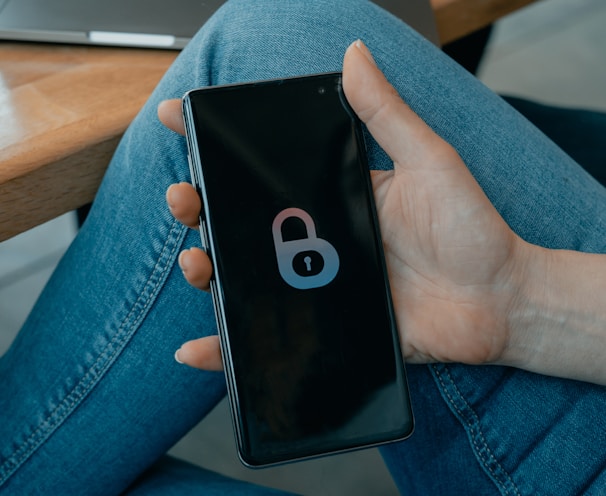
(196, 267)
(170, 114)
(203, 353)
(398, 130)
(184, 203)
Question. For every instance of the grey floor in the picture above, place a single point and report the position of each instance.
(553, 51)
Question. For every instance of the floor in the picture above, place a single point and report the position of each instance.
(552, 51)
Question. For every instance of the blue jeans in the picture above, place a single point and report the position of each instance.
(90, 396)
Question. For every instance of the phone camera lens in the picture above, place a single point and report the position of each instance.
(321, 90)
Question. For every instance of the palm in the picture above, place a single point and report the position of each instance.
(447, 252)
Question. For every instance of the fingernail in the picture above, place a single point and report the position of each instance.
(184, 261)
(169, 197)
(177, 359)
(365, 51)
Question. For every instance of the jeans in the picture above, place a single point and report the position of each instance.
(90, 395)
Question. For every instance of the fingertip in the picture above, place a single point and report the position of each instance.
(396, 128)
(183, 261)
(175, 191)
(196, 268)
(203, 353)
(184, 203)
(178, 358)
(162, 107)
(363, 50)
(169, 113)
(365, 86)
(170, 196)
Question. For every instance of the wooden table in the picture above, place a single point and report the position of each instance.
(63, 110)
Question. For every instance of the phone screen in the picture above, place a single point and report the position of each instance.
(308, 334)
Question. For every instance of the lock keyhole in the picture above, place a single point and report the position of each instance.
(307, 261)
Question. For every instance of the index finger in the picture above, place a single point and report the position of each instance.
(170, 114)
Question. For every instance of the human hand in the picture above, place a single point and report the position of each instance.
(451, 258)
(185, 205)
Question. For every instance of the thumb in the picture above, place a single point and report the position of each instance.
(398, 130)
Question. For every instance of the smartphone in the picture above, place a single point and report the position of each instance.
(301, 295)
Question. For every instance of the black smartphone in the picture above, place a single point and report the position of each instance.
(301, 295)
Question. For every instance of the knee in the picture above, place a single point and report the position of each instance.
(259, 39)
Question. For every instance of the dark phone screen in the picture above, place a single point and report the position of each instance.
(313, 363)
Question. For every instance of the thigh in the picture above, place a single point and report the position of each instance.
(173, 477)
(503, 431)
(579, 132)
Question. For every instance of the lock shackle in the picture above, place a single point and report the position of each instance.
(287, 213)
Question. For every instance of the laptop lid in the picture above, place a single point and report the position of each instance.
(143, 23)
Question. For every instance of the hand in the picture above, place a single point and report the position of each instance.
(451, 258)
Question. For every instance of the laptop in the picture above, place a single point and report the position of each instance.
(143, 23)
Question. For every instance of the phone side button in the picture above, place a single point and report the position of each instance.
(206, 245)
(201, 213)
(204, 234)
(191, 171)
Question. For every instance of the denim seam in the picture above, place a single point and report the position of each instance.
(471, 423)
(105, 360)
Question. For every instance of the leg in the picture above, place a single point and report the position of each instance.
(580, 133)
(172, 477)
(92, 370)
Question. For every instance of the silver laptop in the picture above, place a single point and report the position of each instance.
(143, 23)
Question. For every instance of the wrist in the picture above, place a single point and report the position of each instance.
(529, 305)
(557, 319)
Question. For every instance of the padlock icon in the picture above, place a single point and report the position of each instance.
(304, 263)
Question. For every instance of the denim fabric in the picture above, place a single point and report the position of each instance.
(90, 396)
(579, 132)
